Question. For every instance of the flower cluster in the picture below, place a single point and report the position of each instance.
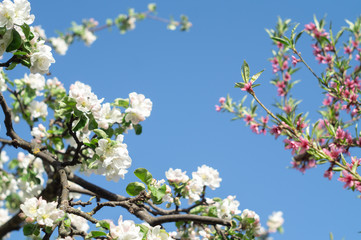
(113, 158)
(139, 108)
(41, 211)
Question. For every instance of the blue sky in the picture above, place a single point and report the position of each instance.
(184, 74)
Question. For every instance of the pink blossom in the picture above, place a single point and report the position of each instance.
(334, 153)
(276, 130)
(287, 108)
(295, 61)
(279, 45)
(327, 59)
(316, 49)
(327, 101)
(303, 144)
(265, 119)
(328, 174)
(347, 178)
(254, 127)
(289, 144)
(284, 65)
(354, 43)
(310, 27)
(319, 58)
(287, 77)
(247, 87)
(218, 108)
(340, 134)
(222, 100)
(348, 50)
(248, 119)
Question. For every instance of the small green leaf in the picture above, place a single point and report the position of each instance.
(16, 41)
(100, 133)
(157, 193)
(120, 102)
(103, 224)
(67, 223)
(256, 76)
(245, 71)
(134, 188)
(29, 229)
(12, 66)
(281, 40)
(138, 129)
(26, 30)
(144, 175)
(80, 123)
(94, 234)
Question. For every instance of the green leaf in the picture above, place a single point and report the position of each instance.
(26, 30)
(20, 53)
(15, 43)
(143, 175)
(12, 66)
(80, 123)
(138, 129)
(29, 229)
(120, 102)
(94, 234)
(67, 223)
(100, 133)
(134, 188)
(281, 40)
(103, 224)
(298, 36)
(157, 193)
(331, 236)
(256, 76)
(245, 71)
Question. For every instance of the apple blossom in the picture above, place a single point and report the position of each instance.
(140, 108)
(38, 109)
(125, 230)
(207, 176)
(275, 221)
(60, 45)
(17, 12)
(41, 59)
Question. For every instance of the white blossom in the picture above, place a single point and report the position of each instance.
(38, 109)
(155, 233)
(3, 85)
(176, 176)
(275, 221)
(126, 230)
(251, 214)
(113, 158)
(17, 12)
(35, 81)
(39, 132)
(195, 189)
(88, 37)
(80, 223)
(140, 108)
(107, 116)
(45, 213)
(41, 59)
(59, 45)
(227, 208)
(207, 176)
(40, 31)
(86, 100)
(3, 158)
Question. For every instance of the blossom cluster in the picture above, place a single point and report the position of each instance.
(193, 188)
(41, 211)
